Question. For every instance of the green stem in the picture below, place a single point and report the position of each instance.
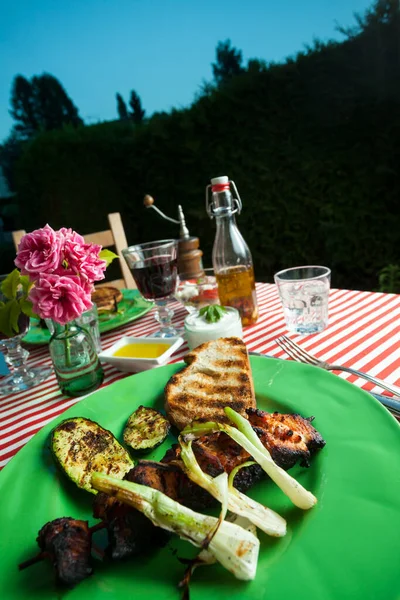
(67, 346)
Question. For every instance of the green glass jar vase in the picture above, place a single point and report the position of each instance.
(75, 359)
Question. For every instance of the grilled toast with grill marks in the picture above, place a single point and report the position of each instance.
(218, 375)
(106, 298)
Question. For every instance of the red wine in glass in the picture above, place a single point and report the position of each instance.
(155, 270)
(156, 276)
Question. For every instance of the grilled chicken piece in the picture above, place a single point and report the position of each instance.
(129, 532)
(289, 438)
(169, 479)
(158, 476)
(217, 453)
(68, 542)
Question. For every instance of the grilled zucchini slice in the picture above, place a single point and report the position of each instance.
(146, 429)
(82, 447)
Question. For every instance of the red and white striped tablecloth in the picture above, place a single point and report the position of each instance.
(363, 332)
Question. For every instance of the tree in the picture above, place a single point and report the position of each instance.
(380, 13)
(137, 113)
(23, 109)
(41, 104)
(10, 151)
(228, 62)
(121, 107)
(256, 65)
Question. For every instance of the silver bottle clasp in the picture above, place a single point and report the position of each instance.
(235, 197)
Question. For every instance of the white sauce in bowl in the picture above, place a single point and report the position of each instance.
(198, 331)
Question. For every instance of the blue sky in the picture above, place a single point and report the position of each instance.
(161, 48)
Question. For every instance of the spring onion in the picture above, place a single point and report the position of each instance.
(205, 558)
(246, 437)
(264, 518)
(233, 547)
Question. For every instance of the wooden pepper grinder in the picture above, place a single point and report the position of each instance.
(189, 254)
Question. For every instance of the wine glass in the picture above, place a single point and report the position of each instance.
(154, 266)
(22, 377)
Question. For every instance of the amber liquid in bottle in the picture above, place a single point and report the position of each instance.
(237, 288)
(231, 257)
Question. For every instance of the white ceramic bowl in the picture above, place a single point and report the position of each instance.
(133, 364)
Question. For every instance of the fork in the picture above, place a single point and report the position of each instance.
(299, 354)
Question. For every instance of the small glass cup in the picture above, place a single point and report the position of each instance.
(199, 292)
(22, 376)
(304, 293)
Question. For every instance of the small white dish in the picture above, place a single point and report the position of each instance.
(133, 364)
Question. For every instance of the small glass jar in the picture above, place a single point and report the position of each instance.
(75, 359)
(198, 330)
(198, 292)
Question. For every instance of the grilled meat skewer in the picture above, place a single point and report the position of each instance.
(67, 543)
(129, 531)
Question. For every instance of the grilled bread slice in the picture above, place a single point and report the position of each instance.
(106, 298)
(218, 375)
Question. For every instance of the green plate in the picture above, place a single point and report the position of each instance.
(131, 307)
(345, 548)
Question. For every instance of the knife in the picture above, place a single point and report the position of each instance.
(390, 403)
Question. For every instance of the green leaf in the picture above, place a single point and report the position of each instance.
(9, 314)
(15, 311)
(212, 313)
(26, 284)
(10, 284)
(26, 308)
(108, 256)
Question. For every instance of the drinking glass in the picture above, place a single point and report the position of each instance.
(22, 377)
(154, 267)
(304, 293)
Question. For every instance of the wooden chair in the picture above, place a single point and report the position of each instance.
(115, 236)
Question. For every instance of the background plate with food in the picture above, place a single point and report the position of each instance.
(345, 547)
(115, 309)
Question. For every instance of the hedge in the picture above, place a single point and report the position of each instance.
(313, 146)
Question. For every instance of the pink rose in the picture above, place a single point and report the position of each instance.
(69, 234)
(62, 299)
(39, 252)
(86, 284)
(83, 260)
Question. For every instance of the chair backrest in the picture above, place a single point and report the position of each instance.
(115, 236)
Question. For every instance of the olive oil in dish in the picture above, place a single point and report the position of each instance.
(150, 350)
